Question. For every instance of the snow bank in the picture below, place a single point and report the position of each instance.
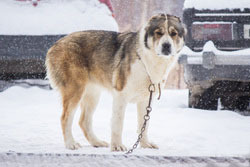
(209, 46)
(238, 57)
(54, 17)
(217, 4)
(30, 122)
(12, 159)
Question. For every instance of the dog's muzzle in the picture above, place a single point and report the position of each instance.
(166, 49)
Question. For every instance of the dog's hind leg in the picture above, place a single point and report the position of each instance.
(88, 105)
(70, 99)
(141, 111)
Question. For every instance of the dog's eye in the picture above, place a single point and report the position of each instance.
(159, 33)
(173, 33)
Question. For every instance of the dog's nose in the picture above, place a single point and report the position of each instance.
(166, 48)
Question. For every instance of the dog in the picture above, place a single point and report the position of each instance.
(82, 64)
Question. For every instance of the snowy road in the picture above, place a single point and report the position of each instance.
(93, 160)
(30, 123)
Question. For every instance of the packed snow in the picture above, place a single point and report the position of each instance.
(30, 117)
(54, 17)
(210, 47)
(30, 123)
(217, 4)
(239, 57)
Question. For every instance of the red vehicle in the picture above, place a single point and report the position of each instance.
(108, 3)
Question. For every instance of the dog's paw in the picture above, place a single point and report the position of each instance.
(73, 145)
(118, 147)
(149, 145)
(99, 143)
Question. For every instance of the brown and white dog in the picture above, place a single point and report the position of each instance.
(82, 64)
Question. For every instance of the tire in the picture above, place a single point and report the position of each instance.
(207, 100)
(229, 93)
(228, 102)
(231, 99)
(242, 103)
(235, 103)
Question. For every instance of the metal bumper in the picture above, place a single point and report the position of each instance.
(212, 64)
(209, 59)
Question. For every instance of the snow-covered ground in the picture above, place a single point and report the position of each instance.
(54, 17)
(30, 117)
(30, 123)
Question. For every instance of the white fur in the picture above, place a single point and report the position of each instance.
(165, 39)
(68, 138)
(88, 105)
(151, 68)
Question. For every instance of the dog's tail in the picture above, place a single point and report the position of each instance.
(50, 70)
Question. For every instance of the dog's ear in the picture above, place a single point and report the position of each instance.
(160, 16)
(173, 17)
(155, 21)
(185, 29)
(178, 19)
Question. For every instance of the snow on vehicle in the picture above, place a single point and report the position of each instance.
(28, 30)
(217, 60)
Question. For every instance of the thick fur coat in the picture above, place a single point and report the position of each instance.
(82, 64)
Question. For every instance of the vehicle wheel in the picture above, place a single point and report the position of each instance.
(228, 102)
(235, 103)
(242, 103)
(207, 100)
(230, 96)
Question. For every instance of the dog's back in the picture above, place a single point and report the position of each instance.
(71, 59)
(84, 55)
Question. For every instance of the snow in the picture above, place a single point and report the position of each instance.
(222, 14)
(94, 160)
(216, 4)
(30, 117)
(30, 123)
(209, 46)
(54, 17)
(222, 57)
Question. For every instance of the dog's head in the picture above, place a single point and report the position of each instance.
(164, 35)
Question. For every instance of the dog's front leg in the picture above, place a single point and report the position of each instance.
(141, 111)
(119, 106)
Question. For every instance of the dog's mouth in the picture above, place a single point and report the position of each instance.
(165, 55)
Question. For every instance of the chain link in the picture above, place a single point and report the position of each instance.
(151, 90)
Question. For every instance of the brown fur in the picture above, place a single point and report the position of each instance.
(76, 60)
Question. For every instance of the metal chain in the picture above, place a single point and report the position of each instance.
(151, 90)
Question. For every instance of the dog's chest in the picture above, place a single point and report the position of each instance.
(138, 81)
